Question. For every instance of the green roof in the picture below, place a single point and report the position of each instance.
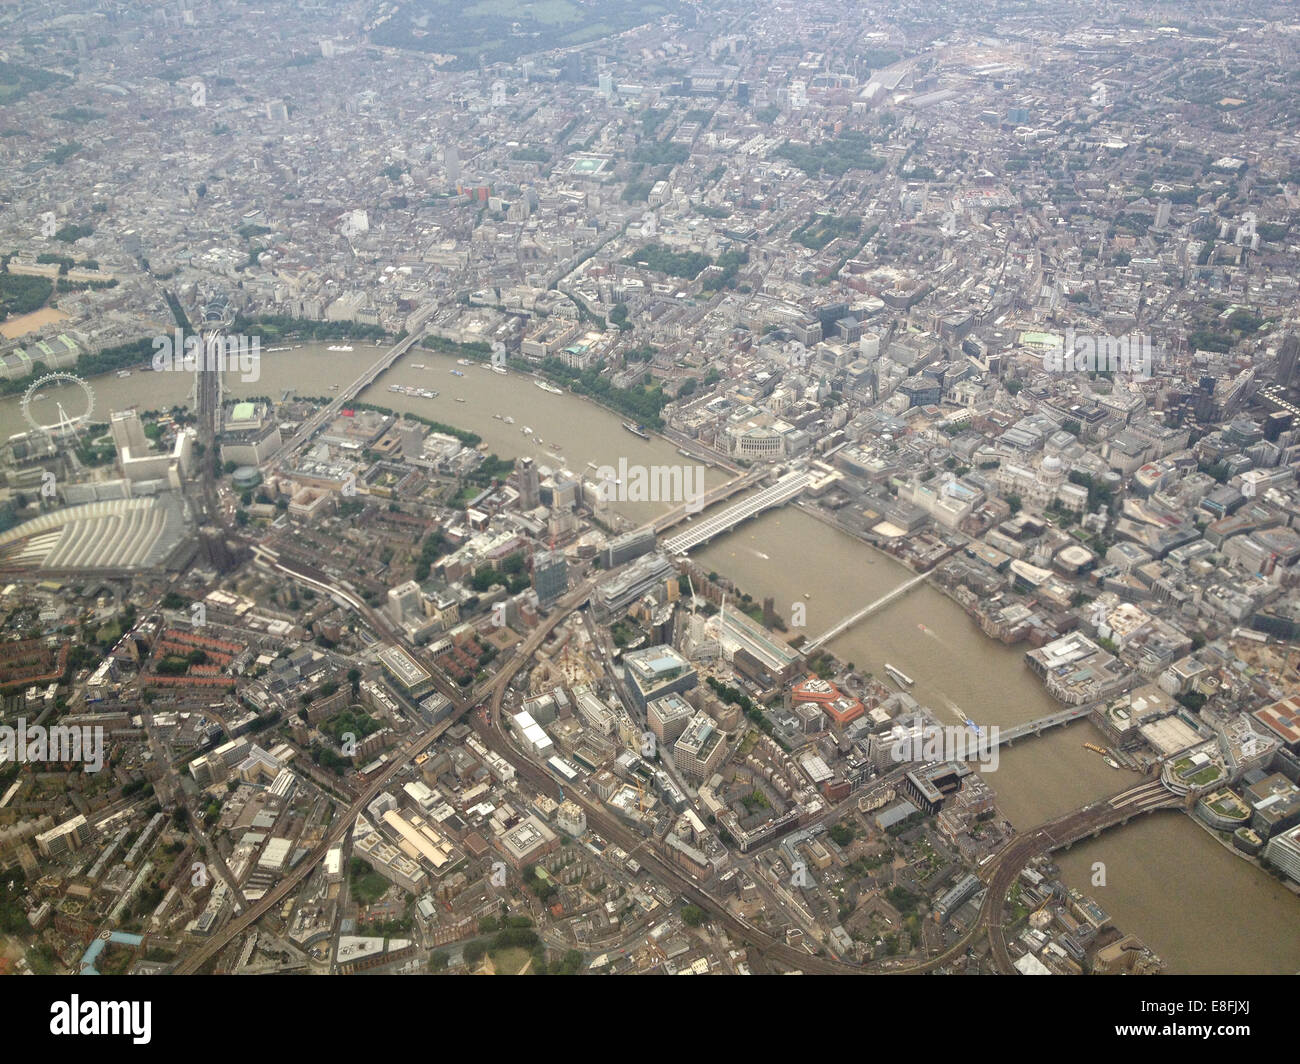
(243, 412)
(1040, 339)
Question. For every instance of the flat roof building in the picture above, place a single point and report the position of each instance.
(700, 749)
(655, 672)
(527, 841)
(411, 678)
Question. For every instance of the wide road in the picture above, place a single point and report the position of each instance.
(328, 412)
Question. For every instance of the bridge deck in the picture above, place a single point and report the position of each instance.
(1033, 727)
(782, 491)
(866, 611)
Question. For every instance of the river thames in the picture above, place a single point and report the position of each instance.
(1166, 880)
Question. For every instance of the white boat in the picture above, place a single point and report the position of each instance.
(526, 431)
(499, 369)
(339, 347)
(124, 373)
(417, 365)
(548, 387)
(459, 399)
(508, 420)
(463, 362)
(898, 675)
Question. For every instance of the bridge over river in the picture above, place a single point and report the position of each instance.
(776, 494)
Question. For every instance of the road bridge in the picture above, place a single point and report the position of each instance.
(331, 410)
(1041, 724)
(701, 532)
(682, 511)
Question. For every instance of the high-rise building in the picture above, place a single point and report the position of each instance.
(529, 484)
(70, 835)
(451, 160)
(411, 434)
(700, 749)
(404, 601)
(655, 672)
(667, 717)
(647, 575)
(622, 549)
(1286, 360)
(128, 433)
(571, 818)
(550, 576)
(1283, 851)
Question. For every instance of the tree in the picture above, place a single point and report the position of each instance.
(692, 915)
